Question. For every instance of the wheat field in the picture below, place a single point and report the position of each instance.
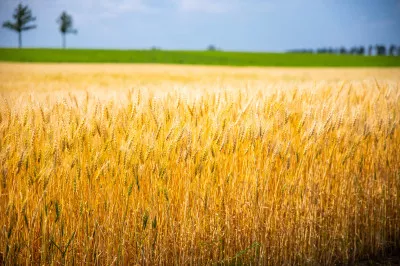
(172, 165)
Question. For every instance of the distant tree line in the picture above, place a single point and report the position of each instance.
(392, 50)
(212, 48)
(23, 20)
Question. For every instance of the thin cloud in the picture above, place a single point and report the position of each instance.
(382, 24)
(117, 7)
(207, 6)
(225, 6)
(104, 9)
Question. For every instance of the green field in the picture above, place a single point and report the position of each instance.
(194, 58)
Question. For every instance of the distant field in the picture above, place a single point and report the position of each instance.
(194, 58)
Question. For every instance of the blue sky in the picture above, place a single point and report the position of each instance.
(246, 25)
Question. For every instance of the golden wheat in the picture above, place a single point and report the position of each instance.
(192, 165)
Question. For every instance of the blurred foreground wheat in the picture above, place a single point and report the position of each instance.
(289, 175)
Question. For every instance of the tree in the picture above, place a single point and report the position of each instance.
(66, 26)
(380, 50)
(392, 50)
(322, 51)
(211, 47)
(22, 16)
(370, 50)
(353, 50)
(361, 50)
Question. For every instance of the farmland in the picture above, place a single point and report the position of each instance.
(177, 165)
(195, 58)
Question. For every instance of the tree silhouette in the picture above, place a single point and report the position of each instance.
(66, 26)
(354, 50)
(380, 50)
(22, 16)
(392, 50)
(212, 47)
